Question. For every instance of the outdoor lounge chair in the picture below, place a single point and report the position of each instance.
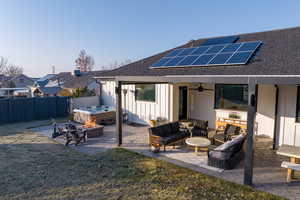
(166, 134)
(227, 155)
(229, 132)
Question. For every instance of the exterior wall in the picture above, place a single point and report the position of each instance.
(202, 104)
(287, 127)
(265, 116)
(139, 111)
(202, 107)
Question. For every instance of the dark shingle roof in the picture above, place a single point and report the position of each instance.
(279, 55)
(83, 80)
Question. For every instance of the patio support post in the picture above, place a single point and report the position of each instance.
(248, 169)
(119, 111)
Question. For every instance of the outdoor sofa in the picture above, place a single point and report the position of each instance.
(167, 134)
(227, 155)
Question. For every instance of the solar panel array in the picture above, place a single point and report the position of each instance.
(211, 55)
(222, 40)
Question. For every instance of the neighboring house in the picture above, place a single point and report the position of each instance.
(46, 91)
(84, 80)
(18, 81)
(205, 82)
(44, 86)
(21, 81)
(42, 82)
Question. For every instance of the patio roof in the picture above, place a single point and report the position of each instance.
(233, 79)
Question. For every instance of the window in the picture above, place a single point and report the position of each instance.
(145, 92)
(231, 96)
(298, 105)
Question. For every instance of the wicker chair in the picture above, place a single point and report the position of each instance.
(229, 132)
(227, 155)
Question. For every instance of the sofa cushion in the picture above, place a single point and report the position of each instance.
(175, 127)
(166, 129)
(156, 131)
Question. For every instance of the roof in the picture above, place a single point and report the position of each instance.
(50, 90)
(279, 55)
(47, 77)
(82, 81)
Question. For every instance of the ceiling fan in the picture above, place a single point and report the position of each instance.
(201, 89)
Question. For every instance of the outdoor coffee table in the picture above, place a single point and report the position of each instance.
(200, 143)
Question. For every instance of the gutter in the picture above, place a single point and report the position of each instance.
(275, 117)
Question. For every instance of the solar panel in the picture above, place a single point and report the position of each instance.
(161, 62)
(249, 46)
(225, 54)
(222, 40)
(240, 57)
(174, 52)
(203, 59)
(186, 51)
(220, 58)
(231, 47)
(200, 50)
(174, 61)
(215, 49)
(188, 60)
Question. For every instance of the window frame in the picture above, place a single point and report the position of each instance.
(215, 99)
(147, 101)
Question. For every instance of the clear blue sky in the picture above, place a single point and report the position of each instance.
(37, 34)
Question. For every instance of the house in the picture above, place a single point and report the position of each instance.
(18, 81)
(253, 77)
(84, 80)
(46, 91)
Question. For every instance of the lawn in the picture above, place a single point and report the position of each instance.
(35, 167)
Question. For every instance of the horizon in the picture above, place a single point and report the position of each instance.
(38, 35)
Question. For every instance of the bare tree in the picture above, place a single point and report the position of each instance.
(9, 69)
(84, 62)
(13, 70)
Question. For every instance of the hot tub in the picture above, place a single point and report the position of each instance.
(102, 114)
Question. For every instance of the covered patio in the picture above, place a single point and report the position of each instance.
(252, 82)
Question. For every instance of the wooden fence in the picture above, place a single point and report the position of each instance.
(27, 109)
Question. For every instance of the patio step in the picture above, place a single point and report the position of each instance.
(290, 165)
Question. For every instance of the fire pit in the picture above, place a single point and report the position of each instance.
(92, 128)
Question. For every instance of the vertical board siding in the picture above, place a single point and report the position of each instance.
(27, 109)
(139, 111)
(289, 129)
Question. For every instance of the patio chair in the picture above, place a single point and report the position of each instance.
(74, 134)
(229, 132)
(227, 155)
(200, 128)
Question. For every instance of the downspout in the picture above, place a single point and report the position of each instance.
(275, 117)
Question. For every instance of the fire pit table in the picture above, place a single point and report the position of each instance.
(92, 131)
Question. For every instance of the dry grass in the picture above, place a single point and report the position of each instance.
(35, 167)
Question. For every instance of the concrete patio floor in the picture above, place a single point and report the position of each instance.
(268, 175)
